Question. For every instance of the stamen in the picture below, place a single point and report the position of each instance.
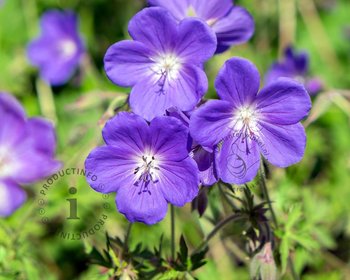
(245, 123)
(147, 174)
(166, 69)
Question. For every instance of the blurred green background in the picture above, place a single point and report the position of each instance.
(311, 198)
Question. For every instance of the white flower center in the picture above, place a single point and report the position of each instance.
(68, 48)
(6, 163)
(246, 121)
(167, 68)
(146, 172)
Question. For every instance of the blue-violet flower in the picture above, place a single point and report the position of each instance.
(27, 150)
(148, 165)
(59, 49)
(244, 124)
(163, 63)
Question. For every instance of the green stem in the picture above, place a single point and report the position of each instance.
(274, 219)
(266, 193)
(172, 213)
(221, 224)
(126, 240)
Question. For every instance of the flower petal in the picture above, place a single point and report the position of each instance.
(236, 27)
(238, 82)
(212, 9)
(155, 27)
(212, 122)
(56, 23)
(150, 99)
(59, 72)
(238, 160)
(283, 102)
(146, 207)
(127, 130)
(12, 197)
(284, 145)
(54, 69)
(278, 70)
(196, 42)
(43, 133)
(205, 162)
(298, 61)
(179, 181)
(110, 168)
(12, 120)
(177, 8)
(31, 165)
(169, 138)
(128, 61)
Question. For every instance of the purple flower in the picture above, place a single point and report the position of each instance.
(163, 64)
(147, 165)
(58, 51)
(27, 149)
(232, 24)
(294, 66)
(244, 124)
(204, 157)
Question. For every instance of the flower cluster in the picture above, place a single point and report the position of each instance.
(173, 141)
(27, 149)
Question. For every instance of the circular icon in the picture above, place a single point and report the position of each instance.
(100, 187)
(105, 196)
(41, 202)
(42, 211)
(45, 220)
(106, 206)
(72, 190)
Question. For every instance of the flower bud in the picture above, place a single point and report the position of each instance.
(263, 265)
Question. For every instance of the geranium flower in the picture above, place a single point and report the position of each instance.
(295, 66)
(147, 165)
(233, 25)
(244, 124)
(27, 149)
(58, 50)
(163, 64)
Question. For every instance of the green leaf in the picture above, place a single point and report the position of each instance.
(183, 251)
(284, 251)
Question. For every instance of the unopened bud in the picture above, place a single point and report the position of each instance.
(263, 265)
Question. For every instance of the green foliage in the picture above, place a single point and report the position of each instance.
(311, 199)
